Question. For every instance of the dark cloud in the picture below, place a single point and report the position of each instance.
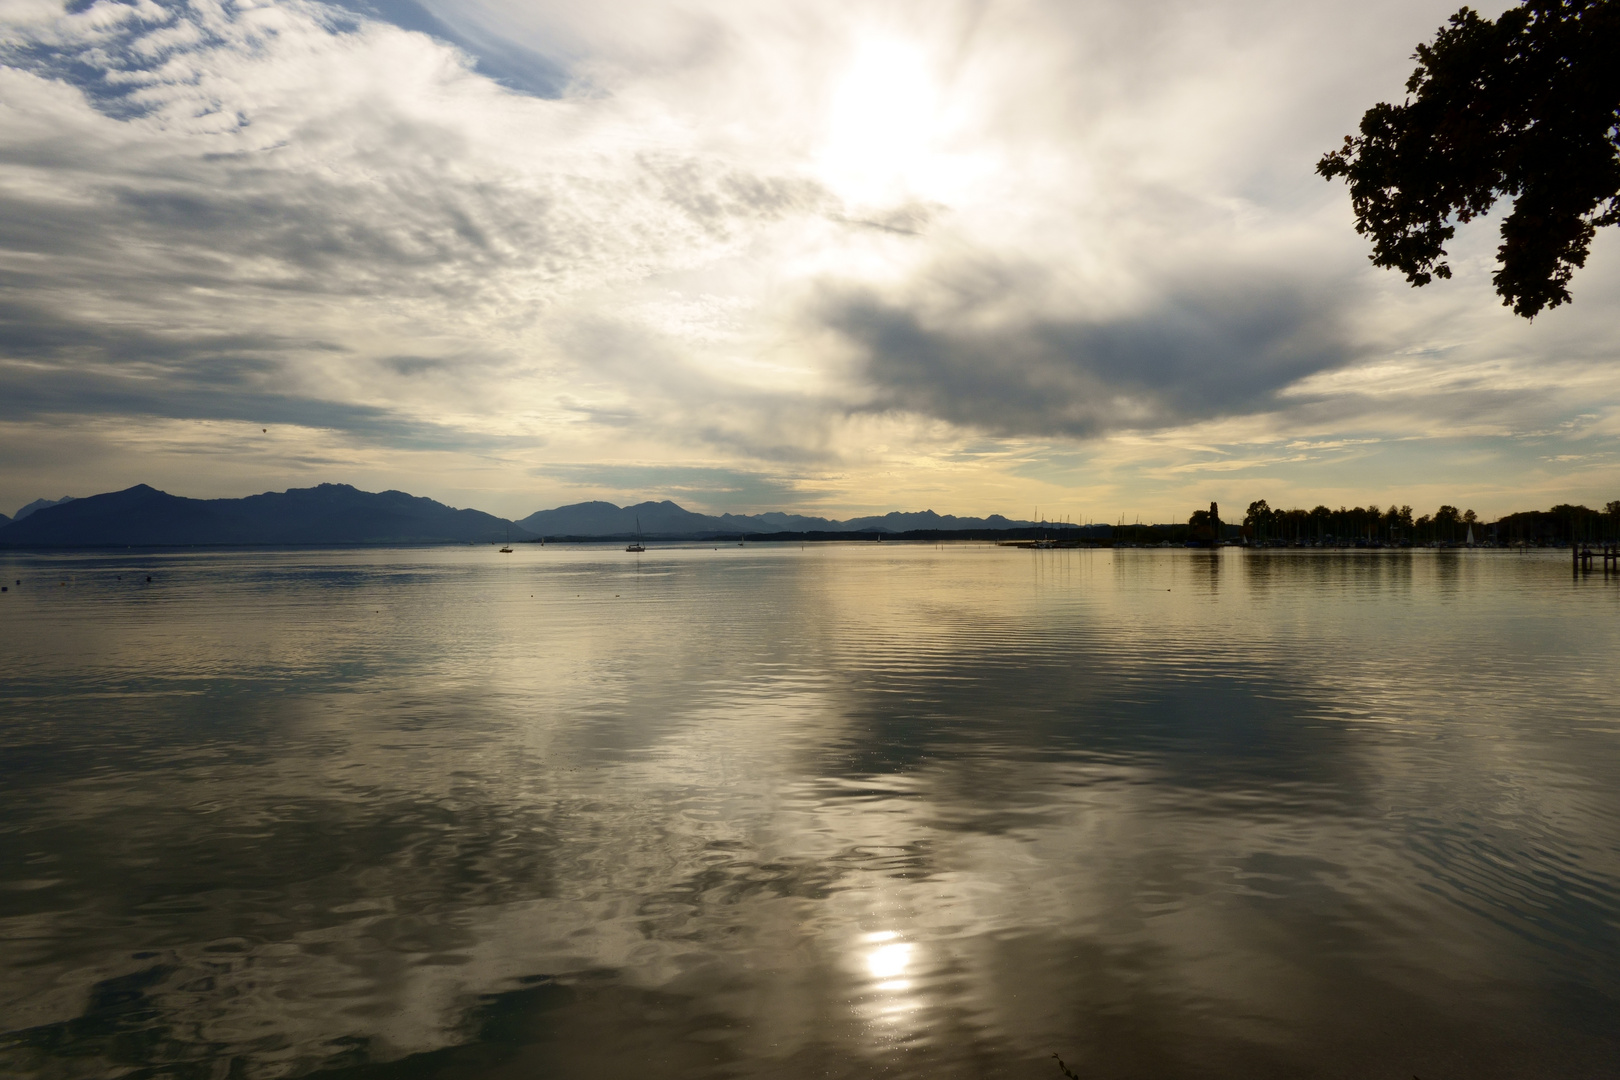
(35, 332)
(52, 367)
(719, 200)
(415, 365)
(209, 224)
(910, 219)
(406, 233)
(75, 394)
(1215, 348)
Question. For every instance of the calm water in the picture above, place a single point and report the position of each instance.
(852, 810)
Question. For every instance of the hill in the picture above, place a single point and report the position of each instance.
(143, 516)
(604, 519)
(327, 514)
(39, 504)
(668, 519)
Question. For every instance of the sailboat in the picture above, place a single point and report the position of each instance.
(636, 545)
(506, 549)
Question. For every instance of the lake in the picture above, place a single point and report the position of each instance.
(844, 810)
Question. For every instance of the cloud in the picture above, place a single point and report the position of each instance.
(508, 63)
(1211, 348)
(50, 367)
(282, 147)
(191, 181)
(823, 239)
(713, 488)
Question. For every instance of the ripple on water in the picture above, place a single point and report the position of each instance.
(775, 812)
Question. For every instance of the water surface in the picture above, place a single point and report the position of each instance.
(847, 810)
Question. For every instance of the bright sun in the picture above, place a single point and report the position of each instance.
(882, 125)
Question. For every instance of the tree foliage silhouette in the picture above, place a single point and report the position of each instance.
(1526, 107)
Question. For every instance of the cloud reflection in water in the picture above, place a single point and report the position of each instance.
(783, 813)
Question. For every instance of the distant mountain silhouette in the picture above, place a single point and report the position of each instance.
(667, 519)
(605, 519)
(328, 514)
(39, 504)
(142, 516)
(896, 521)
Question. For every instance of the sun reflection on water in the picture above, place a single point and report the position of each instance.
(889, 961)
(915, 813)
(888, 1003)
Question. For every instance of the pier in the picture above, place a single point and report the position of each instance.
(1583, 556)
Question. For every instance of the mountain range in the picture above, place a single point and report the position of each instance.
(339, 514)
(329, 514)
(37, 504)
(668, 519)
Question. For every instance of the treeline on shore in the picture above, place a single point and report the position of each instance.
(1397, 526)
(1262, 525)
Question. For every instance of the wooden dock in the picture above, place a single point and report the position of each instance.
(1583, 557)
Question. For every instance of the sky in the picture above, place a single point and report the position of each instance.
(1065, 256)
